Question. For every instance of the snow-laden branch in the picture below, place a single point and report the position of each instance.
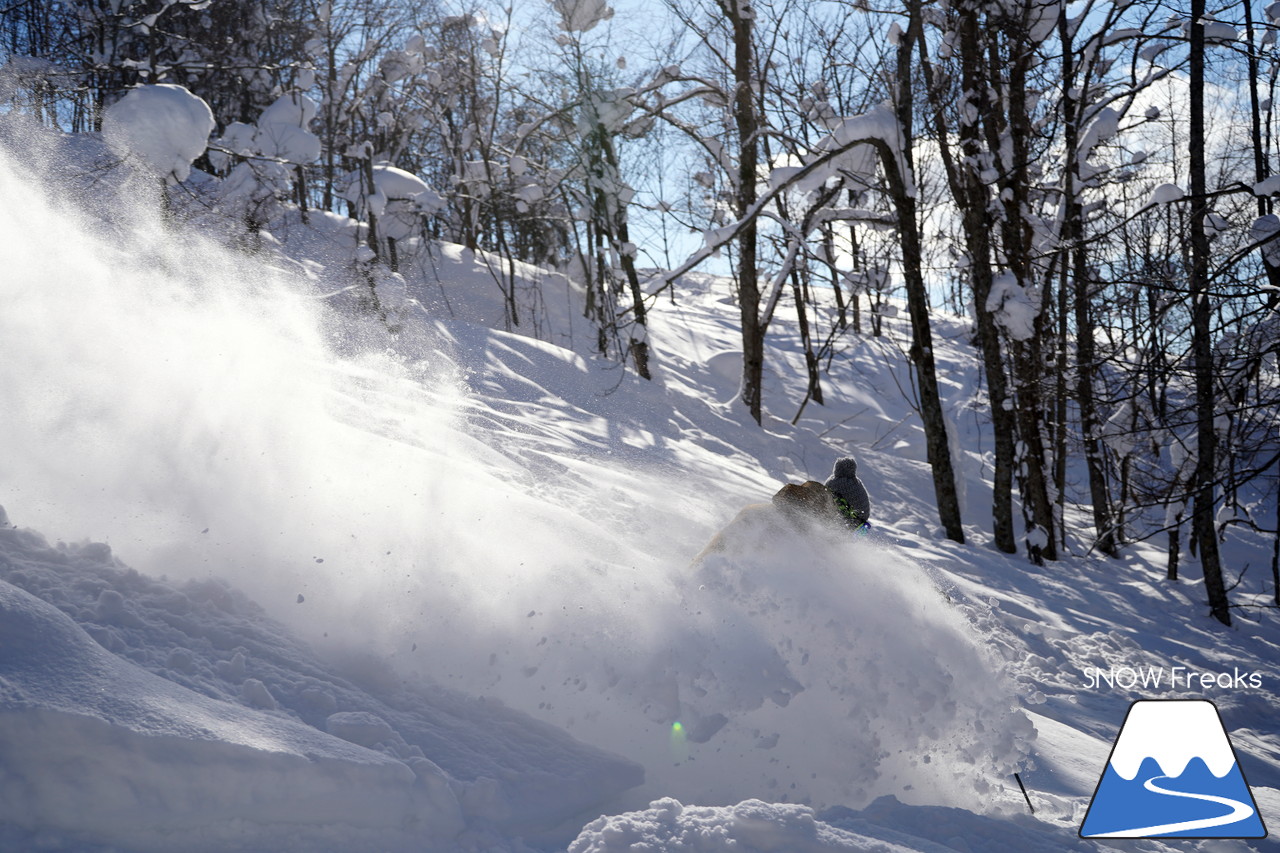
(721, 237)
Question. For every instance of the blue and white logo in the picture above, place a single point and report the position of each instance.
(1173, 773)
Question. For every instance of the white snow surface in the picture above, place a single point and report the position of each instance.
(161, 127)
(77, 723)
(101, 745)
(458, 510)
(748, 827)
(1172, 733)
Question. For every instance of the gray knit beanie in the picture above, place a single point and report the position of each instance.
(845, 483)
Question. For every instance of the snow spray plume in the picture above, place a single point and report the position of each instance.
(187, 404)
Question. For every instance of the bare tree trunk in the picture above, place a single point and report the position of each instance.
(639, 343)
(1035, 485)
(1204, 530)
(1275, 554)
(1007, 125)
(814, 390)
(1073, 239)
(1061, 409)
(828, 247)
(935, 429)
(366, 170)
(973, 197)
(300, 193)
(741, 18)
(1261, 169)
(1255, 108)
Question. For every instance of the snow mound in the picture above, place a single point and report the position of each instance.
(102, 746)
(96, 748)
(162, 127)
(752, 826)
(886, 826)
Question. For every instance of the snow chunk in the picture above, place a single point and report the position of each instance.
(1013, 307)
(879, 123)
(1123, 34)
(360, 727)
(181, 660)
(1102, 128)
(231, 670)
(161, 127)
(858, 134)
(1267, 186)
(397, 183)
(578, 16)
(1165, 194)
(1220, 31)
(257, 695)
(1264, 231)
(400, 199)
(1042, 19)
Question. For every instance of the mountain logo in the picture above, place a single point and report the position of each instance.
(1172, 774)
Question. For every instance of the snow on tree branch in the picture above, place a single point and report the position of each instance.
(579, 16)
(162, 128)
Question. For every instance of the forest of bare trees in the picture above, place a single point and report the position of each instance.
(1090, 183)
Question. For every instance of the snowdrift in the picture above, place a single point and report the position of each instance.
(248, 739)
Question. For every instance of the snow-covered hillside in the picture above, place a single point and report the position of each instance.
(315, 585)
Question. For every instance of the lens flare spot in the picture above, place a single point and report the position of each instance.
(679, 743)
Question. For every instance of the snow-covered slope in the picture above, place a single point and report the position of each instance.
(103, 751)
(459, 510)
(211, 724)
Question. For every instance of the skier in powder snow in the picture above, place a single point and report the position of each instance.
(840, 504)
(850, 495)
